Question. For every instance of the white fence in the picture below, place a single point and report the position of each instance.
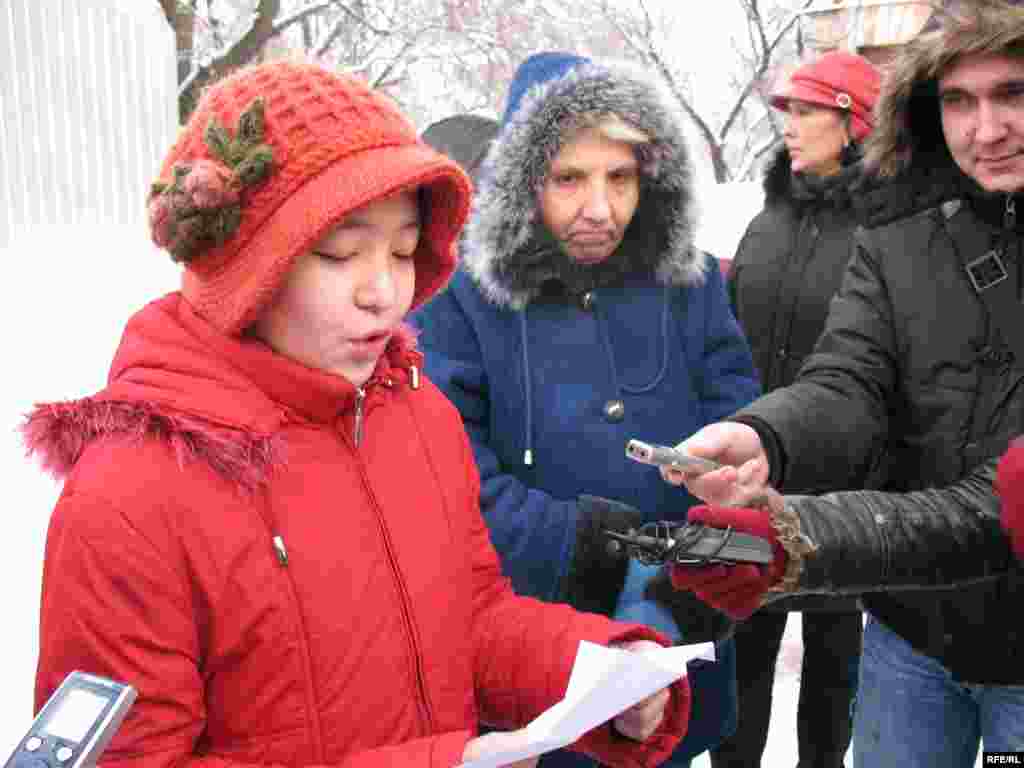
(87, 109)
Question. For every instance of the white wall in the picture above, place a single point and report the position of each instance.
(87, 109)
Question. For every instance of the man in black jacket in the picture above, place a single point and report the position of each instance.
(922, 362)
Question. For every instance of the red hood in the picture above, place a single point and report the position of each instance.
(210, 396)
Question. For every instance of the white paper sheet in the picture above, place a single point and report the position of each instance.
(603, 683)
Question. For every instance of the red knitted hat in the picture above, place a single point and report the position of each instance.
(840, 80)
(271, 160)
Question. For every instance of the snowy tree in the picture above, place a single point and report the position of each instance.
(733, 119)
(440, 57)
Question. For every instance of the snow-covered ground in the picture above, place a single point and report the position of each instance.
(781, 749)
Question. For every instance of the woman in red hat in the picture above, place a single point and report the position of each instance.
(269, 523)
(786, 269)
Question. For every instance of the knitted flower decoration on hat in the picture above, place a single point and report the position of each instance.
(202, 205)
(273, 158)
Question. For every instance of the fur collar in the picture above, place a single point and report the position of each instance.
(504, 248)
(782, 188)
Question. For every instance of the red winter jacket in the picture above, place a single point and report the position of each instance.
(279, 593)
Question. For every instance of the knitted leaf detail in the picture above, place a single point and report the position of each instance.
(255, 166)
(250, 124)
(218, 140)
(201, 206)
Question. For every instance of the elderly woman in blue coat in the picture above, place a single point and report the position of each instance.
(582, 316)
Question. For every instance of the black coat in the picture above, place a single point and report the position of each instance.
(902, 369)
(789, 264)
(787, 268)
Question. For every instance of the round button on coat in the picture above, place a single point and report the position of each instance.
(614, 411)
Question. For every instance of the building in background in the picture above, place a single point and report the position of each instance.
(88, 90)
(873, 28)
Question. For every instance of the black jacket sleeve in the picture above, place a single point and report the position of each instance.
(873, 541)
(829, 426)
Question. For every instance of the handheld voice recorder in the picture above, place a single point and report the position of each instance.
(665, 456)
(75, 725)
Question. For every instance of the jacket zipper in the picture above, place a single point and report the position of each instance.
(423, 702)
(358, 425)
(1009, 225)
(280, 550)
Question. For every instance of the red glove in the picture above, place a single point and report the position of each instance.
(1010, 487)
(733, 589)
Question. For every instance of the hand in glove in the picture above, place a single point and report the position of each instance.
(739, 590)
(1010, 487)
(596, 574)
(695, 620)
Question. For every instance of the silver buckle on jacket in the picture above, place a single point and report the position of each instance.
(986, 271)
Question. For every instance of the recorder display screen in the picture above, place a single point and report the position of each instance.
(75, 714)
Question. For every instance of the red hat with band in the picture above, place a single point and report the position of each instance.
(841, 80)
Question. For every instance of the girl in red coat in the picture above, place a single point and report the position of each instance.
(269, 520)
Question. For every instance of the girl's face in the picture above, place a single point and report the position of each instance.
(815, 137)
(344, 298)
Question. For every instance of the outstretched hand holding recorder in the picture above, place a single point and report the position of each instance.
(691, 543)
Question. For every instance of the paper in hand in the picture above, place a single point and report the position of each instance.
(604, 682)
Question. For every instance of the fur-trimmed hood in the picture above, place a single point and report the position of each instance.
(506, 249)
(908, 126)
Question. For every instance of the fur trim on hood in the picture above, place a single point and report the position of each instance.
(908, 126)
(506, 248)
(58, 433)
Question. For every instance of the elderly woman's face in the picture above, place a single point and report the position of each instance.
(815, 137)
(345, 297)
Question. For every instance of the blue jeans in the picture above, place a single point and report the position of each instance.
(910, 712)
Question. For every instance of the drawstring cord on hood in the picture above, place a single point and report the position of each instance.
(620, 388)
(528, 452)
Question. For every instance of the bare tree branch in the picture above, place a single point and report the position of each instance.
(238, 55)
(754, 156)
(302, 14)
(762, 65)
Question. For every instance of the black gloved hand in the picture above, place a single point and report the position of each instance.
(697, 621)
(597, 573)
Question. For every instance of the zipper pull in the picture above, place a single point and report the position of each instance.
(280, 551)
(415, 375)
(360, 396)
(1010, 217)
